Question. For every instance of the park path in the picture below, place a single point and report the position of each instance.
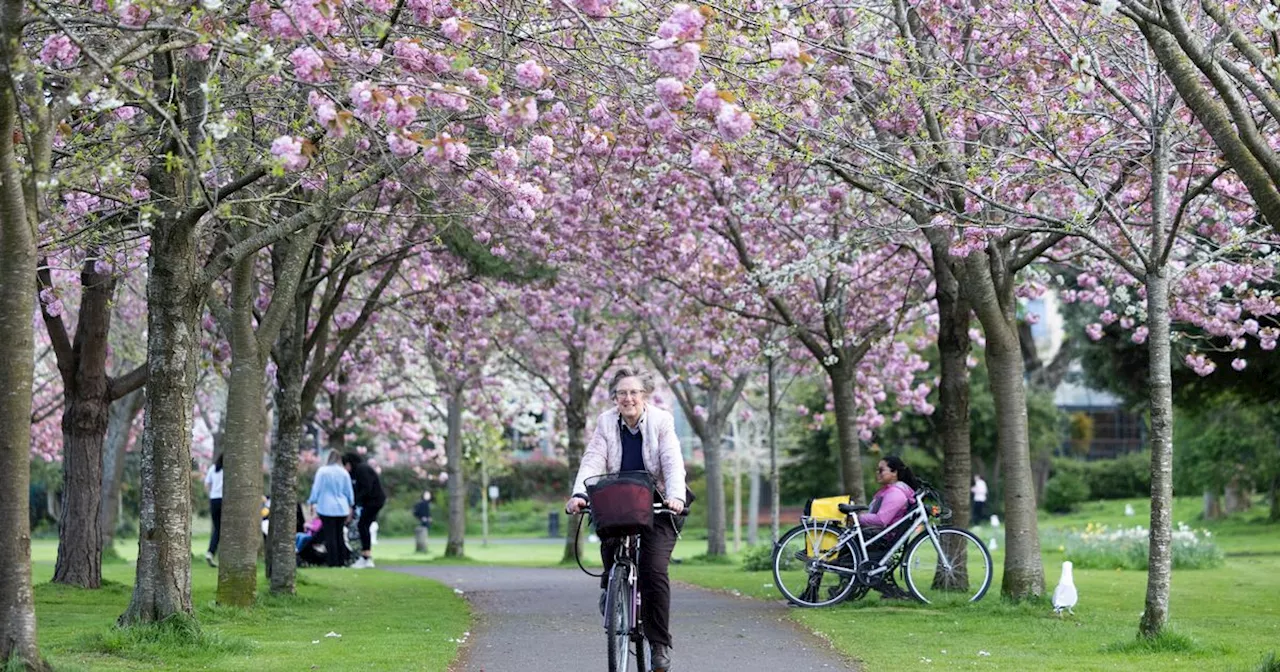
(547, 620)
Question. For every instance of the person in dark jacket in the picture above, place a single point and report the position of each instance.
(422, 510)
(370, 498)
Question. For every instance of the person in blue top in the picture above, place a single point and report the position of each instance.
(332, 498)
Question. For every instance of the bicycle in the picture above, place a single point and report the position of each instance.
(622, 618)
(939, 564)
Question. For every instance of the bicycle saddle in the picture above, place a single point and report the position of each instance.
(853, 508)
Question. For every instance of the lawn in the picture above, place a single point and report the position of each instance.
(386, 621)
(1223, 619)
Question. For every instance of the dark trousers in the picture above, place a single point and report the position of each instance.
(368, 514)
(215, 512)
(335, 549)
(979, 512)
(655, 585)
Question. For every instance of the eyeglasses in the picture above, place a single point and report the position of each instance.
(623, 394)
(883, 470)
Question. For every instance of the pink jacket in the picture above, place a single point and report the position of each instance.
(889, 504)
(662, 456)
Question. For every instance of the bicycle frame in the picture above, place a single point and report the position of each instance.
(628, 555)
(919, 517)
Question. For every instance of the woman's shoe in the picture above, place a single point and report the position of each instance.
(661, 658)
(208, 557)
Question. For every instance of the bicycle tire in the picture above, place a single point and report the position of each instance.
(931, 582)
(617, 622)
(800, 580)
(640, 653)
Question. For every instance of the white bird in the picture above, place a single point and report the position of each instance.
(1128, 509)
(1064, 596)
(995, 520)
(992, 546)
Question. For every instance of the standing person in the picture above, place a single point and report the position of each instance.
(332, 499)
(422, 510)
(370, 498)
(213, 483)
(634, 436)
(979, 491)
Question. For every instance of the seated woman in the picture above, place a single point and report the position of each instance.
(890, 503)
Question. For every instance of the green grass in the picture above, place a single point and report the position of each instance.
(387, 621)
(1221, 619)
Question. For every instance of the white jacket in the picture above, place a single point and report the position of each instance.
(662, 456)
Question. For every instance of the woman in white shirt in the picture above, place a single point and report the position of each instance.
(213, 483)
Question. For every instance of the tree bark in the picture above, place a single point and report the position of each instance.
(753, 502)
(775, 499)
(712, 448)
(84, 426)
(1212, 504)
(242, 449)
(1239, 496)
(989, 288)
(953, 386)
(846, 410)
(114, 454)
(457, 487)
(17, 353)
(284, 451)
(1160, 563)
(1274, 495)
(575, 423)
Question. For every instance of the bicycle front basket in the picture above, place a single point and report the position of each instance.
(622, 504)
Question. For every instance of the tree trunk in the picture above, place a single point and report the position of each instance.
(1160, 556)
(242, 449)
(17, 354)
(711, 451)
(84, 426)
(737, 499)
(420, 539)
(457, 487)
(484, 504)
(575, 422)
(753, 502)
(846, 410)
(284, 452)
(953, 386)
(1239, 496)
(990, 293)
(775, 502)
(114, 454)
(162, 584)
(1212, 504)
(1274, 495)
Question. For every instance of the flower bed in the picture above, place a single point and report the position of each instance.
(1101, 547)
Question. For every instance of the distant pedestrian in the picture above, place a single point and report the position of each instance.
(422, 510)
(213, 483)
(370, 498)
(332, 498)
(979, 491)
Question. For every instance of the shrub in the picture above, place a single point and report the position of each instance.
(396, 523)
(1124, 477)
(1099, 547)
(538, 478)
(1064, 491)
(758, 558)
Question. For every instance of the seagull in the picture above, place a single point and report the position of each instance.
(1064, 596)
(995, 520)
(1128, 509)
(992, 546)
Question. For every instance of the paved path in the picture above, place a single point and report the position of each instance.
(546, 620)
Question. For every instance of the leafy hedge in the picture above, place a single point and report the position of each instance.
(1124, 477)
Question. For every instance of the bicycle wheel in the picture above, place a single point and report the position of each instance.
(802, 563)
(617, 614)
(640, 652)
(956, 569)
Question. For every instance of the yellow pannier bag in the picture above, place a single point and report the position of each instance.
(824, 510)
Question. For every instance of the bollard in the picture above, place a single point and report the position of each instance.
(553, 524)
(420, 539)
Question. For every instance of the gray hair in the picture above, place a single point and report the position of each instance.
(646, 378)
(334, 457)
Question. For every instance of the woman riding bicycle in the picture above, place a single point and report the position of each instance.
(635, 436)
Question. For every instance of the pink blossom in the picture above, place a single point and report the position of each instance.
(455, 30)
(679, 61)
(1094, 331)
(506, 159)
(402, 145)
(522, 113)
(288, 150)
(708, 100)
(1202, 365)
(733, 122)
(475, 78)
(309, 65)
(671, 92)
(1239, 364)
(200, 52)
(133, 16)
(530, 75)
(785, 50)
(684, 23)
(59, 51)
(541, 147)
(1139, 335)
(703, 160)
(446, 150)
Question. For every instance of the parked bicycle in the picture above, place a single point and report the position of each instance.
(621, 507)
(828, 558)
